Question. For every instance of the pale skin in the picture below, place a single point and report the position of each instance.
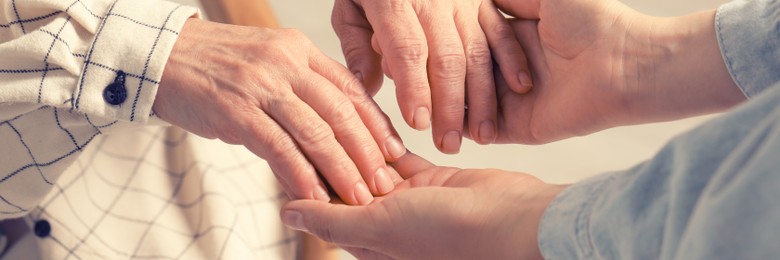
(596, 65)
(284, 100)
(600, 64)
(439, 55)
(436, 213)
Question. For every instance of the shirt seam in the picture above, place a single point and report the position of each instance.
(725, 52)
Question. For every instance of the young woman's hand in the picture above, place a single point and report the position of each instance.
(436, 213)
(600, 64)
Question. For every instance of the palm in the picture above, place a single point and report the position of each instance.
(573, 61)
(436, 213)
(441, 201)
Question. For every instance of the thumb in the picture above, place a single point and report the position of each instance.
(525, 9)
(410, 164)
(355, 33)
(335, 223)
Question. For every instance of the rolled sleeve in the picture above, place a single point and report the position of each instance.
(749, 37)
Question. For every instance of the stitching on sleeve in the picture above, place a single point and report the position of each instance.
(726, 56)
(148, 60)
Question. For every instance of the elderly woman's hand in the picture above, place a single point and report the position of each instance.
(275, 93)
(440, 54)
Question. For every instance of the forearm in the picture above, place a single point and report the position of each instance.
(678, 69)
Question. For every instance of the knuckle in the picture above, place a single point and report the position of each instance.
(450, 65)
(479, 55)
(316, 135)
(354, 53)
(503, 31)
(452, 113)
(354, 90)
(343, 111)
(396, 6)
(411, 52)
(279, 143)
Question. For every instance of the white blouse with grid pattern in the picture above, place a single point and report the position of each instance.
(109, 178)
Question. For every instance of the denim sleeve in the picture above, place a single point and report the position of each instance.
(749, 37)
(711, 193)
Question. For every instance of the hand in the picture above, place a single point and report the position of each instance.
(600, 64)
(275, 93)
(438, 213)
(431, 48)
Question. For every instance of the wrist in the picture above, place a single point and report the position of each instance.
(675, 70)
(532, 218)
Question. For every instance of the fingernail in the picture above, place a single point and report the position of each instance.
(487, 132)
(293, 219)
(525, 79)
(395, 148)
(362, 195)
(450, 144)
(321, 194)
(382, 181)
(422, 118)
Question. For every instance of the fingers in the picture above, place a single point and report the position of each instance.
(526, 9)
(480, 90)
(528, 35)
(377, 122)
(267, 139)
(355, 34)
(447, 73)
(405, 51)
(339, 224)
(506, 48)
(350, 132)
(317, 140)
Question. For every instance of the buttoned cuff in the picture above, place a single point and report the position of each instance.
(564, 229)
(125, 62)
(749, 37)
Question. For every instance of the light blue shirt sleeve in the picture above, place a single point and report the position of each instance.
(711, 193)
(749, 36)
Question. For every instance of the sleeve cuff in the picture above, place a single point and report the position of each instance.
(134, 39)
(749, 37)
(564, 228)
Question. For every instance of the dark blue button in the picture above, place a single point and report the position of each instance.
(116, 92)
(42, 228)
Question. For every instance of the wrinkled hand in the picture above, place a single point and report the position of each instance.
(600, 64)
(437, 213)
(275, 93)
(439, 54)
